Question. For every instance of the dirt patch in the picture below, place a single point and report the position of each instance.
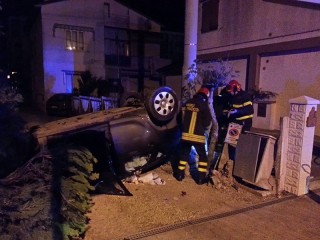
(153, 206)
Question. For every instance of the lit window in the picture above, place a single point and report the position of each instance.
(74, 40)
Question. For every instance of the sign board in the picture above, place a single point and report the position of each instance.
(233, 133)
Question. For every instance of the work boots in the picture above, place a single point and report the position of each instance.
(202, 179)
(179, 175)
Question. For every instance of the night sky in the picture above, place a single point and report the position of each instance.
(169, 13)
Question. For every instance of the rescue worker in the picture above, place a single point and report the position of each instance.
(240, 111)
(196, 120)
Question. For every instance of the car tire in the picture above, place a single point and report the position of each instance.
(162, 105)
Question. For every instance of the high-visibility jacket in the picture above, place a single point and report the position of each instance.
(241, 102)
(196, 119)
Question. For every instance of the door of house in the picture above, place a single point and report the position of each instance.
(71, 81)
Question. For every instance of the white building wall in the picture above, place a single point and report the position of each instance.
(291, 76)
(56, 58)
(254, 23)
(92, 14)
(248, 23)
(121, 16)
(240, 71)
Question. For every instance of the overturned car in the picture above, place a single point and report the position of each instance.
(133, 138)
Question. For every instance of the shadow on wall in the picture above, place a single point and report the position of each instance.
(49, 83)
(294, 89)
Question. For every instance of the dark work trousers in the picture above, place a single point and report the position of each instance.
(185, 149)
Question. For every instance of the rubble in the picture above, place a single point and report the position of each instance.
(220, 179)
(149, 178)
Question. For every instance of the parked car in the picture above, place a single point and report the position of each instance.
(60, 104)
(126, 140)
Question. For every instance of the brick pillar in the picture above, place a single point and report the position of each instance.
(300, 144)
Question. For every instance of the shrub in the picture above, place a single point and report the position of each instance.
(9, 96)
(212, 74)
(48, 197)
(16, 143)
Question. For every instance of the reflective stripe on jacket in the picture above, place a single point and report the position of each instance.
(196, 119)
(243, 104)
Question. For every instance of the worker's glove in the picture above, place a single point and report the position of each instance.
(225, 112)
(232, 111)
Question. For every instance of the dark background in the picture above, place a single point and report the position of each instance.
(169, 13)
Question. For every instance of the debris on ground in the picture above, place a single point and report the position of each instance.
(220, 179)
(152, 207)
(149, 178)
(135, 163)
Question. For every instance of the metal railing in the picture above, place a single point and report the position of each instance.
(85, 104)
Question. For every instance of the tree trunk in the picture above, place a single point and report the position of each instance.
(212, 139)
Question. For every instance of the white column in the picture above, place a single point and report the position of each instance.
(300, 144)
(190, 31)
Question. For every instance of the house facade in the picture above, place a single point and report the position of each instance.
(104, 37)
(274, 44)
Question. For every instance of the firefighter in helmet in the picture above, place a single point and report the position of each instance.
(195, 122)
(240, 111)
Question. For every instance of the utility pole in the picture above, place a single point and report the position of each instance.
(190, 34)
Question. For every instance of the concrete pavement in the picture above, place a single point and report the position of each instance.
(286, 218)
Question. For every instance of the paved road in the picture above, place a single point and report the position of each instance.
(288, 218)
